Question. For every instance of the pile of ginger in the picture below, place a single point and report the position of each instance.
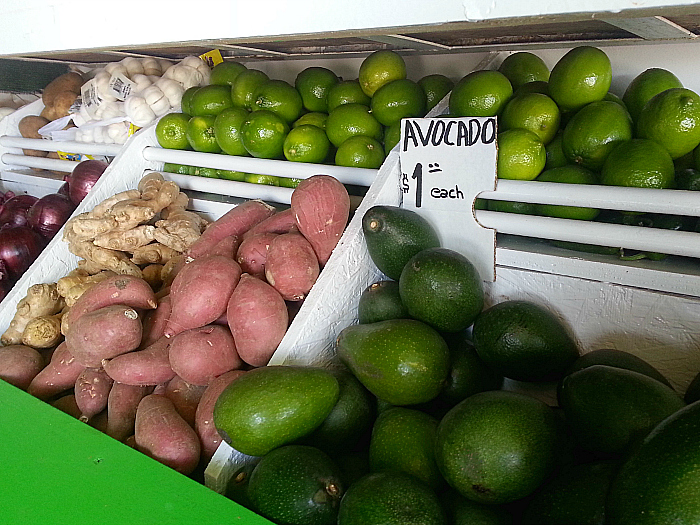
(142, 232)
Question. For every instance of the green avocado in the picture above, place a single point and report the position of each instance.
(404, 439)
(463, 511)
(296, 485)
(390, 498)
(442, 287)
(271, 406)
(381, 301)
(574, 495)
(394, 235)
(350, 420)
(498, 446)
(401, 361)
(619, 359)
(659, 482)
(609, 408)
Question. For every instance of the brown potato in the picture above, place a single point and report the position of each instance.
(30, 125)
(62, 103)
(70, 81)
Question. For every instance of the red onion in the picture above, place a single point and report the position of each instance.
(63, 190)
(14, 210)
(19, 246)
(49, 213)
(83, 178)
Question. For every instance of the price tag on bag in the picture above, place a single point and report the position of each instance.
(445, 163)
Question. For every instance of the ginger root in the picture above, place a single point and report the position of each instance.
(73, 285)
(154, 253)
(43, 331)
(126, 241)
(41, 300)
(105, 258)
(180, 229)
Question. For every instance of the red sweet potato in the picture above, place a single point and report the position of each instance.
(321, 208)
(185, 396)
(103, 334)
(252, 253)
(58, 376)
(291, 266)
(200, 354)
(91, 392)
(150, 366)
(20, 364)
(67, 405)
(226, 247)
(200, 292)
(118, 289)
(234, 222)
(161, 433)
(280, 222)
(204, 416)
(122, 403)
(258, 318)
(154, 322)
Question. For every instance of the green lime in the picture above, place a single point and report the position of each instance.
(225, 73)
(346, 92)
(227, 130)
(279, 97)
(568, 175)
(289, 182)
(524, 67)
(200, 134)
(313, 118)
(200, 171)
(268, 180)
(244, 87)
(181, 169)
(379, 68)
(672, 118)
(263, 134)
(210, 100)
(521, 155)
(612, 97)
(186, 98)
(436, 87)
(306, 143)
(646, 85)
(594, 131)
(525, 208)
(581, 76)
(532, 111)
(481, 93)
(555, 153)
(641, 163)
(171, 131)
(537, 86)
(396, 100)
(349, 120)
(392, 136)
(313, 84)
(360, 152)
(231, 175)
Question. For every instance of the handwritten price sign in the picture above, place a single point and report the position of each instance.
(445, 163)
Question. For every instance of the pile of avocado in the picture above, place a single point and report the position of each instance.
(414, 425)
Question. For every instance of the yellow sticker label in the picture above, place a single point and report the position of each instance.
(133, 129)
(73, 156)
(212, 57)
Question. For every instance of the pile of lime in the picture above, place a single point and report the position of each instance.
(566, 126)
(415, 424)
(320, 119)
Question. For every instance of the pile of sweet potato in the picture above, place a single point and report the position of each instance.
(146, 366)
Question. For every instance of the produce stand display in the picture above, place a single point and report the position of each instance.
(648, 308)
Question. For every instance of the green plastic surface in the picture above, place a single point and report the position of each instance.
(57, 470)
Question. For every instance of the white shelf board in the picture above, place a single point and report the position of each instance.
(51, 25)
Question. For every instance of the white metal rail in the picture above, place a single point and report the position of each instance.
(676, 202)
